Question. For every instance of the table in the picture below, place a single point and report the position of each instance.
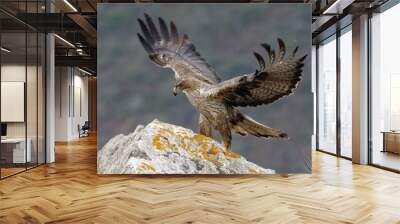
(391, 141)
(19, 155)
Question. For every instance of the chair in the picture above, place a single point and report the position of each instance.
(84, 130)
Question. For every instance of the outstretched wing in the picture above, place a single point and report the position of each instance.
(166, 47)
(273, 81)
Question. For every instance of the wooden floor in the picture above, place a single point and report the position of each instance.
(386, 159)
(70, 191)
(5, 172)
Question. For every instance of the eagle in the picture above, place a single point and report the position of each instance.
(218, 101)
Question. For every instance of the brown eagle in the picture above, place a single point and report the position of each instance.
(217, 100)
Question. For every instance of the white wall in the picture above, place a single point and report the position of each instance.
(12, 73)
(13, 101)
(62, 81)
(33, 126)
(314, 91)
(16, 73)
(71, 87)
(80, 103)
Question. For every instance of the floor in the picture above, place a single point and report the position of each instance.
(387, 159)
(70, 191)
(8, 171)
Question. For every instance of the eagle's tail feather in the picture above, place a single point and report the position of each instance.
(244, 125)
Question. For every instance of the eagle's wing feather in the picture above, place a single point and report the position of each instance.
(272, 82)
(167, 42)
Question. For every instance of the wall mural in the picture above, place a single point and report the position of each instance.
(204, 89)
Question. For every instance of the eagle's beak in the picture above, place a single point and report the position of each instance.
(175, 91)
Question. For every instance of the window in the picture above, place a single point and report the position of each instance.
(346, 92)
(22, 101)
(327, 95)
(385, 89)
(334, 106)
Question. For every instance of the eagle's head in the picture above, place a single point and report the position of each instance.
(182, 85)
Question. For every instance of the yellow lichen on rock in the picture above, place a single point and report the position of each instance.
(147, 167)
(207, 156)
(185, 143)
(231, 154)
(201, 138)
(191, 147)
(204, 147)
(196, 145)
(251, 170)
(165, 130)
(161, 143)
(214, 149)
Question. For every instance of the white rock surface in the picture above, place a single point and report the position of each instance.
(161, 148)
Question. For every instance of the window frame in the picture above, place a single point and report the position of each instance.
(339, 32)
(381, 9)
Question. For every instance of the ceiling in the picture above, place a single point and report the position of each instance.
(75, 21)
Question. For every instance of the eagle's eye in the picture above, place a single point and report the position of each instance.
(165, 58)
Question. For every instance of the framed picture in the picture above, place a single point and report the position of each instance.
(204, 88)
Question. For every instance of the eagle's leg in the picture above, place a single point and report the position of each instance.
(205, 126)
(226, 134)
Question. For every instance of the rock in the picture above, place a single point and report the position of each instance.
(161, 148)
